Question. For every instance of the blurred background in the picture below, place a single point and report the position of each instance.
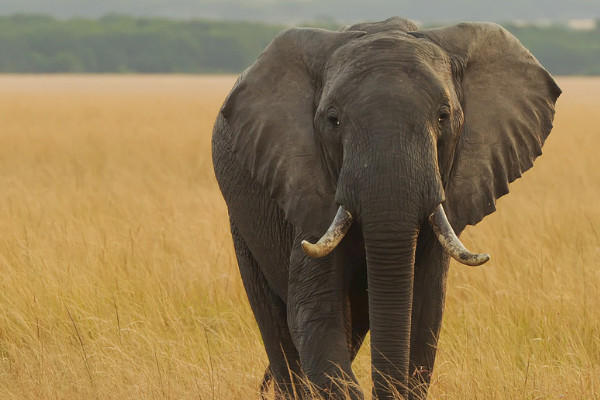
(213, 36)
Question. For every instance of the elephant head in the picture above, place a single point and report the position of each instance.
(393, 127)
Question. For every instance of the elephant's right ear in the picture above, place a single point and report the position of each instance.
(270, 114)
(508, 100)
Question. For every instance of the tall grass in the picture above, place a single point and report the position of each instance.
(118, 278)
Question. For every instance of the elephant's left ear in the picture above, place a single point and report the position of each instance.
(508, 102)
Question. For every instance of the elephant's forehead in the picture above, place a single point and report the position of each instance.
(388, 63)
(389, 50)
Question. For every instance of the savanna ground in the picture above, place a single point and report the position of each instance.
(118, 278)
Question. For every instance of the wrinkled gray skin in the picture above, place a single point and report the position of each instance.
(389, 121)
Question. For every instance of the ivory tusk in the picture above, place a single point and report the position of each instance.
(450, 242)
(334, 235)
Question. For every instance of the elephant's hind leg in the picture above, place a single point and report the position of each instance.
(270, 313)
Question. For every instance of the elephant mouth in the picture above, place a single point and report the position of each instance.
(438, 220)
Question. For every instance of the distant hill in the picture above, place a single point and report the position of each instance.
(295, 11)
(124, 44)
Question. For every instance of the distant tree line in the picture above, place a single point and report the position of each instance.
(32, 44)
(561, 50)
(122, 44)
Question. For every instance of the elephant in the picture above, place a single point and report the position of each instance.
(402, 137)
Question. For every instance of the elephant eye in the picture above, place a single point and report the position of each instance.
(444, 115)
(333, 117)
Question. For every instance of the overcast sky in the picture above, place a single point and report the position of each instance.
(294, 11)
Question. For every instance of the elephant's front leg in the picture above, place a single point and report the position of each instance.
(316, 307)
(431, 268)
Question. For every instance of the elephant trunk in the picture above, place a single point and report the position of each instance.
(390, 195)
(390, 250)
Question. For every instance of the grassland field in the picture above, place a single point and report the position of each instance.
(118, 278)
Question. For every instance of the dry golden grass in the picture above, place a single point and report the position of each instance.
(118, 278)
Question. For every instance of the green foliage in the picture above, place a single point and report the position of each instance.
(116, 43)
(561, 50)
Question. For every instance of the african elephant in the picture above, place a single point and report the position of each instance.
(402, 137)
